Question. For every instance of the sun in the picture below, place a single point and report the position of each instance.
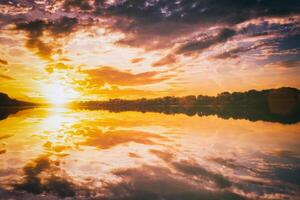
(59, 94)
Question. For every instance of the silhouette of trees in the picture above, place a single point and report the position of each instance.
(278, 105)
(5, 100)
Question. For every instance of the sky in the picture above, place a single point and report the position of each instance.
(66, 50)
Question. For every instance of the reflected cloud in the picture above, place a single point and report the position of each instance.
(106, 140)
(227, 162)
(61, 153)
(43, 175)
(285, 153)
(161, 183)
(193, 169)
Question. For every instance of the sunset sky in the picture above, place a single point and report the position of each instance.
(65, 50)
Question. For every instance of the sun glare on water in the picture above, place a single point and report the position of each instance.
(59, 94)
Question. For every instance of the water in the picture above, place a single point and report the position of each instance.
(61, 153)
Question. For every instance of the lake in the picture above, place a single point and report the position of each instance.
(54, 153)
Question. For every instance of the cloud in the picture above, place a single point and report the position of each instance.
(57, 66)
(240, 50)
(81, 4)
(227, 162)
(160, 183)
(3, 62)
(191, 168)
(167, 60)
(146, 22)
(53, 183)
(200, 45)
(284, 64)
(208, 12)
(14, 7)
(166, 156)
(284, 153)
(106, 140)
(133, 155)
(154, 25)
(288, 175)
(113, 91)
(289, 42)
(232, 53)
(136, 60)
(36, 29)
(112, 76)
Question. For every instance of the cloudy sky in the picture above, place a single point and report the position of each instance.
(56, 51)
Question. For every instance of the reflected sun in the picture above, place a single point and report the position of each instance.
(59, 94)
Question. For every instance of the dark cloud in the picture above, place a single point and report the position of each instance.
(62, 26)
(191, 168)
(289, 63)
(17, 2)
(160, 183)
(288, 175)
(289, 42)
(113, 76)
(53, 183)
(285, 153)
(192, 11)
(148, 21)
(81, 4)
(200, 45)
(227, 162)
(284, 64)
(162, 24)
(263, 28)
(241, 50)
(35, 29)
(232, 53)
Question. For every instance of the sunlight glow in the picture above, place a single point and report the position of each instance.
(59, 94)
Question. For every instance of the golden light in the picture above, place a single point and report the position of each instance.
(55, 57)
(57, 127)
(59, 94)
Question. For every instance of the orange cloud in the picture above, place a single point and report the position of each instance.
(110, 75)
(57, 66)
(3, 62)
(168, 60)
(37, 29)
(117, 92)
(136, 60)
(107, 140)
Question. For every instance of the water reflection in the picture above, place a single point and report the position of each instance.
(5, 112)
(59, 153)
